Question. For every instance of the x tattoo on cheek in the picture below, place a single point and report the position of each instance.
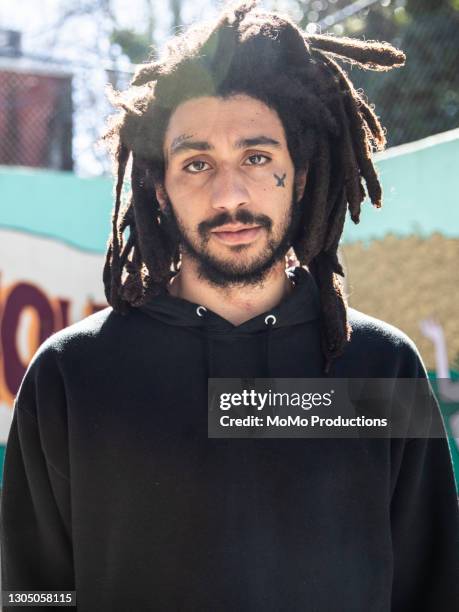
(280, 180)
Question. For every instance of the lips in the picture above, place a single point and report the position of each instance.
(237, 234)
(233, 228)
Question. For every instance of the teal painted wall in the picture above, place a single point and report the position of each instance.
(420, 192)
(447, 410)
(57, 205)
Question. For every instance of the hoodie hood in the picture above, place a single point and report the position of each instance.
(258, 347)
(301, 305)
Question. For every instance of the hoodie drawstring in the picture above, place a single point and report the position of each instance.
(270, 321)
(201, 311)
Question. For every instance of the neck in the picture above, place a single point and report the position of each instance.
(236, 304)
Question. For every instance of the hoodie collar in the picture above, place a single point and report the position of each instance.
(301, 305)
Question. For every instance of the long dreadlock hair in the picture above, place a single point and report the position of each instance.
(329, 126)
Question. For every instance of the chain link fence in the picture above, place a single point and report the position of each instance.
(35, 115)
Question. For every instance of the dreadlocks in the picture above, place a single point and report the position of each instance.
(329, 127)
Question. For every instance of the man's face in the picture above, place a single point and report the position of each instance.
(229, 187)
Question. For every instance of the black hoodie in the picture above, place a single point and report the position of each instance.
(112, 487)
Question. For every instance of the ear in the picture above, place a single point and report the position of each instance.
(160, 195)
(300, 182)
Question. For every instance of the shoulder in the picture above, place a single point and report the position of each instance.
(81, 332)
(372, 331)
(381, 349)
(96, 334)
(78, 351)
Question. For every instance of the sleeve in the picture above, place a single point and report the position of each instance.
(35, 514)
(425, 520)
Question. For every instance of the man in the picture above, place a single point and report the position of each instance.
(247, 144)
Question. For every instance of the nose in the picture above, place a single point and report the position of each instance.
(228, 190)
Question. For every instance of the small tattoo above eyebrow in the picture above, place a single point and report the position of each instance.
(280, 180)
(180, 139)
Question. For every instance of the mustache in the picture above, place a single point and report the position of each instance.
(243, 217)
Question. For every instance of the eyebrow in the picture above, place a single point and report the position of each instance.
(183, 143)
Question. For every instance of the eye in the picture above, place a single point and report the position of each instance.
(195, 167)
(259, 159)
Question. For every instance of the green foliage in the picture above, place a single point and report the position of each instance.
(423, 7)
(137, 46)
(422, 98)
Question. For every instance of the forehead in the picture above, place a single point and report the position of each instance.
(212, 118)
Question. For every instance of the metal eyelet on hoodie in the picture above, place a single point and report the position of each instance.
(271, 318)
(200, 310)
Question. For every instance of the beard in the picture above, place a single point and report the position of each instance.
(228, 273)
